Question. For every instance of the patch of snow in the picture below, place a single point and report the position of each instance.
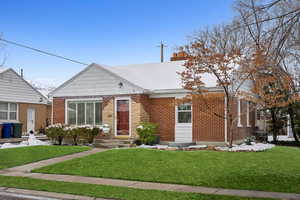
(203, 146)
(32, 141)
(281, 138)
(244, 147)
(147, 146)
(162, 146)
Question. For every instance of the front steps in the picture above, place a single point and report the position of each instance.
(113, 143)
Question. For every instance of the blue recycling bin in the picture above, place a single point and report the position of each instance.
(7, 130)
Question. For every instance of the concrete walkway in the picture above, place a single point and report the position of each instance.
(13, 193)
(24, 171)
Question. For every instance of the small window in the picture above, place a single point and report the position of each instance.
(8, 111)
(184, 113)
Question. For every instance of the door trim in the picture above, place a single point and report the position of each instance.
(115, 115)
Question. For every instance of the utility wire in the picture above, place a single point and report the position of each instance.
(41, 51)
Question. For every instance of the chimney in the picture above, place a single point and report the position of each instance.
(181, 55)
(22, 74)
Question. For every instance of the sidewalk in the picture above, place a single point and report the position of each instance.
(24, 171)
(40, 195)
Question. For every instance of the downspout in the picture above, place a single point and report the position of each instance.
(225, 120)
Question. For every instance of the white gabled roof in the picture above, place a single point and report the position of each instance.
(157, 76)
(137, 78)
(15, 89)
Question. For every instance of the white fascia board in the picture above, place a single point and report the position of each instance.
(178, 93)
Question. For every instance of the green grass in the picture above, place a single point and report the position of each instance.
(23, 155)
(105, 191)
(275, 170)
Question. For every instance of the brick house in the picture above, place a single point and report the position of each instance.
(20, 102)
(124, 96)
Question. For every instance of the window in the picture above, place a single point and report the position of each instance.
(84, 113)
(8, 111)
(184, 113)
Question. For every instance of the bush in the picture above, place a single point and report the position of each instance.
(90, 133)
(146, 132)
(56, 133)
(248, 140)
(74, 133)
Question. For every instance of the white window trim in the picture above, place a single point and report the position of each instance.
(176, 115)
(239, 124)
(248, 114)
(8, 111)
(115, 115)
(76, 114)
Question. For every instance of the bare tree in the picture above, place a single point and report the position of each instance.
(273, 29)
(220, 53)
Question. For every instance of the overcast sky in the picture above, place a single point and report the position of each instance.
(110, 32)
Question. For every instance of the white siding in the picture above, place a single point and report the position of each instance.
(14, 89)
(95, 81)
(183, 133)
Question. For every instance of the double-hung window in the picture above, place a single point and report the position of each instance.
(84, 112)
(8, 111)
(184, 113)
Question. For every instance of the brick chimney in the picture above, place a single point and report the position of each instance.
(181, 55)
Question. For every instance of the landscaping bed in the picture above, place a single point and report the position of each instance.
(275, 170)
(22, 155)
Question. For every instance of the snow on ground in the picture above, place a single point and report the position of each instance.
(32, 141)
(255, 147)
(166, 147)
(244, 147)
(281, 138)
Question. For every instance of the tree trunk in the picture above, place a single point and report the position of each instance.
(292, 119)
(230, 130)
(274, 129)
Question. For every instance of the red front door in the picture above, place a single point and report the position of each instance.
(122, 117)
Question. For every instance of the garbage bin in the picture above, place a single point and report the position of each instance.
(0, 130)
(17, 130)
(7, 130)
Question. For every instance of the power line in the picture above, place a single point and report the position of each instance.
(43, 52)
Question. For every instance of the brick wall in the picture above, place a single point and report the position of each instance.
(140, 109)
(58, 110)
(162, 112)
(108, 113)
(40, 115)
(206, 125)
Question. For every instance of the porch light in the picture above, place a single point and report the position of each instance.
(120, 84)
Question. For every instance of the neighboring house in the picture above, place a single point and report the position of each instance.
(124, 96)
(20, 102)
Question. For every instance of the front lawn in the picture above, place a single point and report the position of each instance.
(274, 170)
(22, 155)
(106, 191)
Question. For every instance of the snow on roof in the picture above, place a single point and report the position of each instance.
(157, 76)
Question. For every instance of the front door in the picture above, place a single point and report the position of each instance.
(122, 112)
(30, 119)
